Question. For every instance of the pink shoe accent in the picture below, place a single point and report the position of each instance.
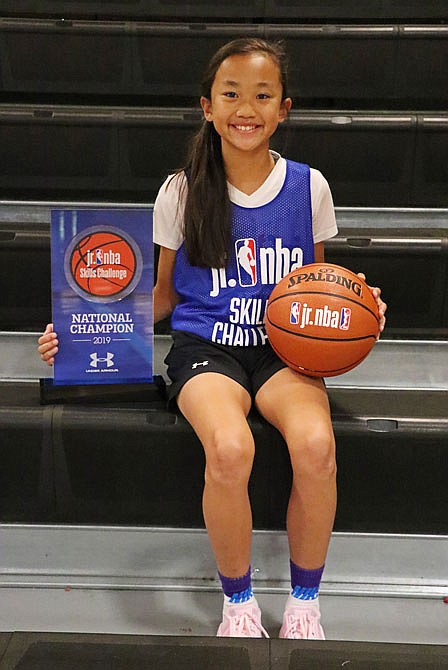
(241, 621)
(302, 623)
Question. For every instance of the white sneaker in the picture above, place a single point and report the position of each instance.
(242, 620)
(302, 623)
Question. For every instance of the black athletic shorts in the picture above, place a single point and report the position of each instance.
(191, 355)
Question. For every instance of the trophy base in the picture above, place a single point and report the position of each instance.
(51, 393)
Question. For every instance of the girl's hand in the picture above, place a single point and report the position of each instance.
(376, 292)
(48, 345)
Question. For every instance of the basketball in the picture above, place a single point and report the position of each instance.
(322, 320)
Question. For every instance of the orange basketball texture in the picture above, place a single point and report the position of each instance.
(113, 247)
(322, 320)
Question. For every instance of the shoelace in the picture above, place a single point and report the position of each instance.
(303, 626)
(245, 625)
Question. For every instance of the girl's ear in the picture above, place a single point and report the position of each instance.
(206, 105)
(285, 106)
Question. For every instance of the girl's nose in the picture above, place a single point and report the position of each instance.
(245, 110)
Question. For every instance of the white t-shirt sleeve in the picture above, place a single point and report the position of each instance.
(324, 218)
(168, 212)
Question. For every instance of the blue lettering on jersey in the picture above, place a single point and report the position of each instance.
(227, 305)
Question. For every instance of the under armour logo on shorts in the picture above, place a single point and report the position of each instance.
(195, 365)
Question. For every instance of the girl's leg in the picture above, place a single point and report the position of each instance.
(216, 407)
(298, 407)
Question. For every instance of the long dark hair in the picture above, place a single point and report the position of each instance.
(207, 219)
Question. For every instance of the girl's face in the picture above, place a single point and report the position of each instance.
(246, 103)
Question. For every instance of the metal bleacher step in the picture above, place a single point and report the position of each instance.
(162, 581)
(392, 364)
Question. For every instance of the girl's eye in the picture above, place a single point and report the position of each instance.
(263, 96)
(230, 94)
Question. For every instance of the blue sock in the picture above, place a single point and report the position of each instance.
(305, 583)
(237, 589)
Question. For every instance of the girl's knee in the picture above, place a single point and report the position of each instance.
(313, 452)
(229, 459)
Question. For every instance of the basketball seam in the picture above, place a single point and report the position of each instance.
(316, 337)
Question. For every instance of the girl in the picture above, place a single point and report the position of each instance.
(227, 224)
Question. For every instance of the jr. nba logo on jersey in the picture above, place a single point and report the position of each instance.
(246, 261)
(294, 315)
(344, 323)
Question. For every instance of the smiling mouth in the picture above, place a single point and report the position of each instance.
(245, 129)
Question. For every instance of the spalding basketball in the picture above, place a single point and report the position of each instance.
(322, 320)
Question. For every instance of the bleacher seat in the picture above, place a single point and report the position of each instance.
(25, 281)
(277, 9)
(26, 474)
(58, 56)
(46, 150)
(332, 65)
(410, 266)
(117, 153)
(431, 165)
(98, 480)
(240, 9)
(367, 158)
(353, 10)
(139, 463)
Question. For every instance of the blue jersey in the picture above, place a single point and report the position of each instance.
(228, 305)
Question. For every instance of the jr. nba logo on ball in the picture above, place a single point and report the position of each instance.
(103, 264)
(246, 261)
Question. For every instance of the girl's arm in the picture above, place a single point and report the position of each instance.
(319, 253)
(164, 296)
(319, 258)
(376, 292)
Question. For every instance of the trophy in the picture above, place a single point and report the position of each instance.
(102, 279)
